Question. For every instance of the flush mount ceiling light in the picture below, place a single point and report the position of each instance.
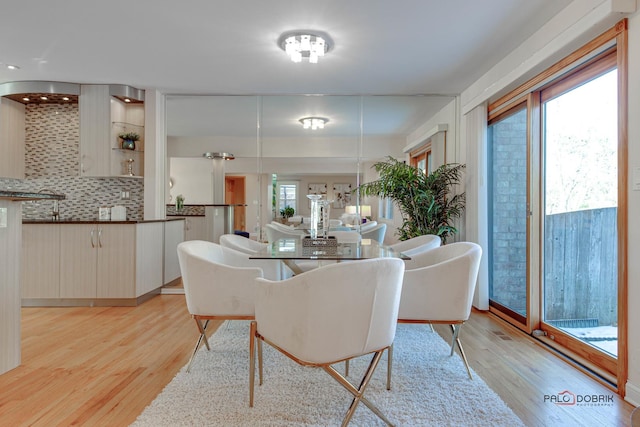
(224, 156)
(305, 44)
(313, 123)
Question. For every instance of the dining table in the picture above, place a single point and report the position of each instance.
(290, 250)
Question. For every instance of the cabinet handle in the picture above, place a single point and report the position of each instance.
(93, 245)
(100, 237)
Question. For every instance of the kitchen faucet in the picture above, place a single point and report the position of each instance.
(55, 211)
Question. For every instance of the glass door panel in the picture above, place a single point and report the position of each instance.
(580, 213)
(507, 137)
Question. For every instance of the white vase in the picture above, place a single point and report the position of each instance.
(315, 214)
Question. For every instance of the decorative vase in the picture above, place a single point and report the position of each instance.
(315, 214)
(326, 209)
(128, 144)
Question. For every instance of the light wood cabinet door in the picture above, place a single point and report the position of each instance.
(40, 261)
(116, 260)
(78, 261)
(12, 136)
(95, 130)
(195, 228)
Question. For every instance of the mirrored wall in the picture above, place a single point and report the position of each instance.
(272, 145)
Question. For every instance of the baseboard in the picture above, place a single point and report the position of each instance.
(632, 394)
(89, 302)
(172, 291)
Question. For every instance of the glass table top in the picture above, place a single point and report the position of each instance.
(295, 249)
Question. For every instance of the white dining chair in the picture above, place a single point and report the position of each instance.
(274, 233)
(438, 287)
(376, 233)
(415, 245)
(345, 311)
(346, 236)
(250, 247)
(219, 284)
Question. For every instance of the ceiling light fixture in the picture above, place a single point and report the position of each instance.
(12, 67)
(313, 123)
(224, 156)
(305, 44)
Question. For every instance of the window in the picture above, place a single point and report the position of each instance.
(422, 158)
(287, 195)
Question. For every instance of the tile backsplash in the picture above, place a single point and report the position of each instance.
(52, 140)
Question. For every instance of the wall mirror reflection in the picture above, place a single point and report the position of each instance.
(281, 155)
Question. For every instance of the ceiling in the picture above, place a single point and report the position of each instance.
(192, 48)
(229, 47)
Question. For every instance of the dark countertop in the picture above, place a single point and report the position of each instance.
(25, 196)
(89, 221)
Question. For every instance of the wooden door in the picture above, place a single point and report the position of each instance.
(234, 194)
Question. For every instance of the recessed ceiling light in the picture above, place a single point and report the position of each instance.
(12, 67)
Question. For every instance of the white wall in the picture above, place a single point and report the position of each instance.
(580, 22)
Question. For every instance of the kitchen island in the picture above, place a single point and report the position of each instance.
(10, 278)
(75, 262)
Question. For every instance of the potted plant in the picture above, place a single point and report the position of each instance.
(287, 212)
(426, 202)
(129, 140)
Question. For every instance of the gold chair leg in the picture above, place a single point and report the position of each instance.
(202, 337)
(358, 393)
(456, 340)
(252, 360)
(389, 365)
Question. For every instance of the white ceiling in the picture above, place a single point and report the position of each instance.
(229, 47)
(435, 48)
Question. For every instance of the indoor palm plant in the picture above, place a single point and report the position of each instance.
(426, 202)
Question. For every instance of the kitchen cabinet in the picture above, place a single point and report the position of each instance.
(97, 261)
(41, 261)
(103, 116)
(12, 138)
(195, 228)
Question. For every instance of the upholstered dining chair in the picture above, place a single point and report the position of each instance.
(345, 310)
(438, 287)
(345, 236)
(274, 233)
(368, 225)
(219, 284)
(241, 243)
(415, 245)
(250, 247)
(376, 233)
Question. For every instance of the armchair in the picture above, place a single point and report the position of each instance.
(218, 284)
(328, 315)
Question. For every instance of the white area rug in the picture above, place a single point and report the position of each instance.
(429, 388)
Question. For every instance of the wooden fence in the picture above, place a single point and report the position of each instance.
(580, 269)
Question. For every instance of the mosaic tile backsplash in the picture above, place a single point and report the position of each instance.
(52, 139)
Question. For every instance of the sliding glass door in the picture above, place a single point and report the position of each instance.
(555, 202)
(507, 137)
(580, 233)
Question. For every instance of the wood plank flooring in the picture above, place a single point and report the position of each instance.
(101, 366)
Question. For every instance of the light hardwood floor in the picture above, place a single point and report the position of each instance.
(102, 366)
